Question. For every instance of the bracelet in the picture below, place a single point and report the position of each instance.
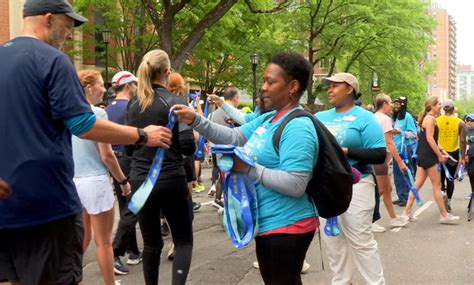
(123, 182)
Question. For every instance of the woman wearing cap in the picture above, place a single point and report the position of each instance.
(287, 219)
(429, 157)
(170, 193)
(404, 137)
(92, 164)
(362, 139)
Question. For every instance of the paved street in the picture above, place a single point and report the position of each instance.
(422, 253)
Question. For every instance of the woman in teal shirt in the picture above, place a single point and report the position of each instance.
(287, 218)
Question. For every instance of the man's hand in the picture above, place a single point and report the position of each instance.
(126, 189)
(5, 189)
(185, 114)
(215, 99)
(158, 136)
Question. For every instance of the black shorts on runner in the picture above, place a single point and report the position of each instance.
(188, 163)
(44, 254)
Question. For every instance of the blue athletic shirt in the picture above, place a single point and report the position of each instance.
(117, 111)
(40, 89)
(405, 125)
(298, 152)
(357, 128)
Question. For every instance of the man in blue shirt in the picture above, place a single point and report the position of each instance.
(41, 105)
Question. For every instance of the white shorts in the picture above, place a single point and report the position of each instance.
(96, 193)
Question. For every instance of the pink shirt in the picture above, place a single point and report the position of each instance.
(385, 122)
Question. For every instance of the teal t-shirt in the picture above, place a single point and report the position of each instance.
(357, 128)
(405, 125)
(297, 152)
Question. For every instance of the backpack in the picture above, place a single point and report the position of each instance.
(330, 188)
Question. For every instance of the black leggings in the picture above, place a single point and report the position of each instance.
(470, 172)
(174, 201)
(281, 257)
(447, 185)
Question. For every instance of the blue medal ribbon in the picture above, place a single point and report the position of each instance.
(443, 167)
(141, 195)
(460, 172)
(194, 97)
(240, 197)
(411, 184)
(199, 154)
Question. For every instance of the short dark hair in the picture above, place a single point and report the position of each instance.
(296, 67)
(230, 93)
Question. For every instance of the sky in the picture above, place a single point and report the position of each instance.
(462, 11)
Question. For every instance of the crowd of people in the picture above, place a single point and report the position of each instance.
(67, 158)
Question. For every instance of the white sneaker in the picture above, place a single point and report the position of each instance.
(305, 268)
(449, 219)
(377, 228)
(398, 222)
(212, 191)
(408, 217)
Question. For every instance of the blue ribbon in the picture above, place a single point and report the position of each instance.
(411, 184)
(194, 97)
(199, 154)
(446, 171)
(240, 197)
(460, 173)
(141, 195)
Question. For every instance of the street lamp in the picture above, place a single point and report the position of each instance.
(254, 61)
(106, 35)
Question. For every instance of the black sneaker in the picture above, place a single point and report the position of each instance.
(134, 259)
(218, 203)
(119, 269)
(196, 206)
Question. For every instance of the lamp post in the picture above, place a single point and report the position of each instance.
(106, 35)
(254, 61)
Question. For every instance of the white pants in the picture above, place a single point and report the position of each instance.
(356, 243)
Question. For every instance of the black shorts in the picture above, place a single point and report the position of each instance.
(44, 254)
(188, 163)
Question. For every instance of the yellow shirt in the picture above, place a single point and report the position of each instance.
(448, 132)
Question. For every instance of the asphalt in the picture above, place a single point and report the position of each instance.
(424, 252)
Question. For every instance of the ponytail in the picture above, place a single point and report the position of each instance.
(153, 64)
(429, 103)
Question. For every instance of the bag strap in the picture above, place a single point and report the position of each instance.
(291, 116)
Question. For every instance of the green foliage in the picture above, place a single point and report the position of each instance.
(464, 107)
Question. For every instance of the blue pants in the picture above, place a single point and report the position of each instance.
(400, 182)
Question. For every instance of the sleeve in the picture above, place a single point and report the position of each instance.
(236, 115)
(65, 92)
(410, 121)
(80, 124)
(299, 146)
(372, 134)
(386, 124)
(248, 128)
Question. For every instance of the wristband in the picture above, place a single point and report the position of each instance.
(123, 182)
(142, 137)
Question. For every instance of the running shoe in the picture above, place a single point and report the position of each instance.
(196, 206)
(449, 219)
(398, 222)
(199, 188)
(119, 269)
(409, 217)
(218, 203)
(212, 191)
(134, 259)
(377, 228)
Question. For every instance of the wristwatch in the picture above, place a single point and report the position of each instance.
(142, 137)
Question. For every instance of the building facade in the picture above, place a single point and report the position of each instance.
(443, 54)
(465, 82)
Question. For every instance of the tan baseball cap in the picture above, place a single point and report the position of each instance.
(343, 77)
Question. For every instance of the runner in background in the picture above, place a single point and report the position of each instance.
(92, 164)
(124, 86)
(404, 136)
(383, 104)
(452, 138)
(429, 157)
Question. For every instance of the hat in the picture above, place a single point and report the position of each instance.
(123, 77)
(43, 7)
(448, 104)
(344, 77)
(402, 100)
